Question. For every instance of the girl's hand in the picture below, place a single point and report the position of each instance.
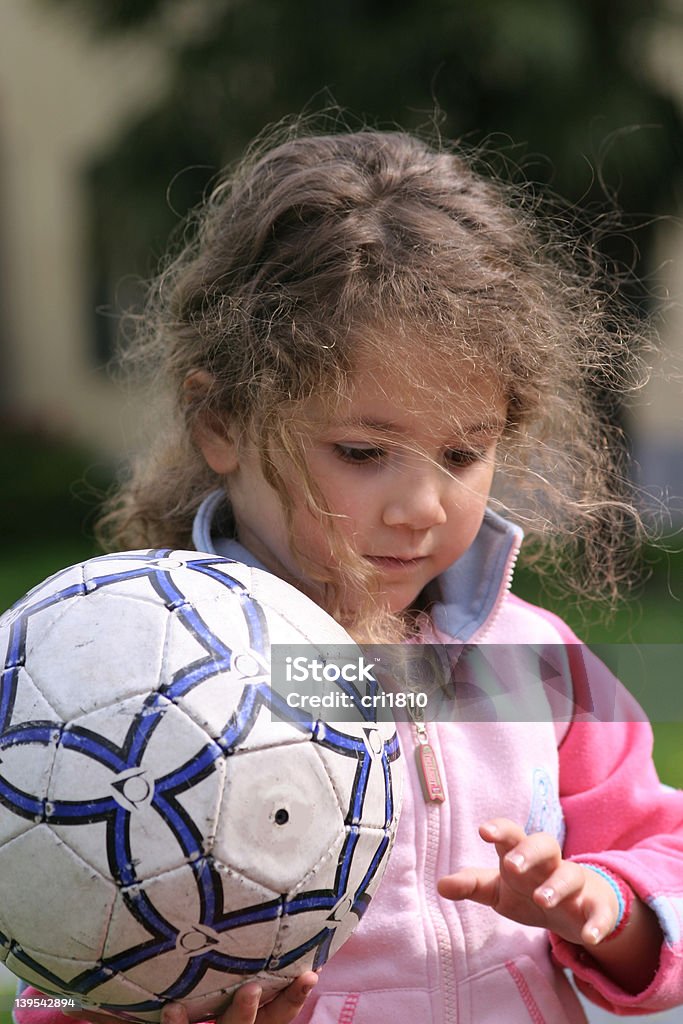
(535, 886)
(244, 1008)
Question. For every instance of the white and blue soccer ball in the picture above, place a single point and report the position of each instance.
(170, 826)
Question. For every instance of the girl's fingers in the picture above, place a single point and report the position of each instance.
(532, 857)
(174, 1013)
(561, 884)
(594, 931)
(243, 1008)
(503, 832)
(536, 886)
(588, 901)
(600, 907)
(287, 1004)
(478, 884)
(599, 924)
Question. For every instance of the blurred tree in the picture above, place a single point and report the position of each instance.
(570, 80)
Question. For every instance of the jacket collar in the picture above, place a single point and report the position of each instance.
(464, 600)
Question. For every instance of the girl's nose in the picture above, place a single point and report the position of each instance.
(417, 502)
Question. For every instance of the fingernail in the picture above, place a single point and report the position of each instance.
(493, 829)
(170, 1015)
(595, 935)
(307, 989)
(517, 859)
(548, 895)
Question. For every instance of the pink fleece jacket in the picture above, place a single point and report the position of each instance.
(417, 958)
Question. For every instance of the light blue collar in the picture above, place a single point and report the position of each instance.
(463, 598)
(204, 539)
(467, 594)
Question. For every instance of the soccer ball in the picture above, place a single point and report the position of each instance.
(170, 826)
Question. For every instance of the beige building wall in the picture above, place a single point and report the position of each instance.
(64, 95)
(660, 409)
(657, 419)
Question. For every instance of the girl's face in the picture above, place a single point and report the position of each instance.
(405, 482)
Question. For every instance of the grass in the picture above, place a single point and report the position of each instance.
(653, 616)
(7, 989)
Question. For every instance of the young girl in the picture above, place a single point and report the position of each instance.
(362, 334)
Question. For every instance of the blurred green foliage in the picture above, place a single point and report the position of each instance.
(565, 87)
(6, 1000)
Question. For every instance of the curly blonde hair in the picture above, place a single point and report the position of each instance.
(313, 240)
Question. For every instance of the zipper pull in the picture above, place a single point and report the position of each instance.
(427, 767)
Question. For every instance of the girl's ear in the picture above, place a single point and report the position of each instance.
(211, 434)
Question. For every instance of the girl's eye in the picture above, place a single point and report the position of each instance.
(359, 454)
(460, 458)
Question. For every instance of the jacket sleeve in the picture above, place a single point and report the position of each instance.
(620, 816)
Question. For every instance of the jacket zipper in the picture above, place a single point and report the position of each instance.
(505, 588)
(434, 794)
(443, 940)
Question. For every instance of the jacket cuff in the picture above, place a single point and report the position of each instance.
(666, 986)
